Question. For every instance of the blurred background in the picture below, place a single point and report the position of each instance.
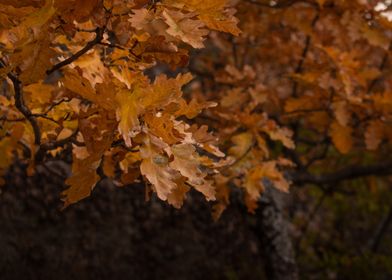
(116, 234)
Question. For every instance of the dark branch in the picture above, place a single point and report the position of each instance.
(347, 173)
(280, 4)
(21, 106)
(308, 221)
(98, 38)
(53, 105)
(380, 232)
(60, 143)
(299, 68)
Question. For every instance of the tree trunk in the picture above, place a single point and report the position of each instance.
(272, 231)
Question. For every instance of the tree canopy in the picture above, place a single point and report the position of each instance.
(281, 93)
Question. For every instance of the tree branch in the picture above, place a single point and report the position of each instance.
(21, 106)
(304, 54)
(347, 173)
(98, 38)
(281, 4)
(380, 232)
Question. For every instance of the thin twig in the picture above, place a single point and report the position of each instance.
(380, 231)
(347, 173)
(305, 50)
(310, 218)
(98, 38)
(21, 106)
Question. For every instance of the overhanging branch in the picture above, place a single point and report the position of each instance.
(347, 173)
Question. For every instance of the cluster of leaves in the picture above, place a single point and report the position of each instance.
(313, 75)
(74, 74)
(298, 77)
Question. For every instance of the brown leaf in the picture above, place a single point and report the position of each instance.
(374, 134)
(155, 167)
(183, 27)
(186, 162)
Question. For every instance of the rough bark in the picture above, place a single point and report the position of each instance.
(272, 230)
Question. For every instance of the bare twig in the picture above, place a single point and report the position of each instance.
(310, 218)
(98, 38)
(380, 231)
(347, 173)
(304, 54)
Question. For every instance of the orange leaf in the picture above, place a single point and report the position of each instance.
(341, 137)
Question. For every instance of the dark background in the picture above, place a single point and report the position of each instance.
(116, 234)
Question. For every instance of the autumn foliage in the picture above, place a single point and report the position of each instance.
(290, 92)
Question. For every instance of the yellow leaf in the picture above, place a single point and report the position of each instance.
(24, 32)
(75, 10)
(155, 167)
(251, 203)
(342, 115)
(161, 125)
(321, 2)
(39, 93)
(98, 137)
(6, 152)
(194, 108)
(183, 27)
(282, 134)
(82, 181)
(341, 137)
(253, 182)
(76, 83)
(267, 170)
(141, 18)
(227, 24)
(109, 165)
(212, 13)
(36, 61)
(222, 195)
(375, 37)
(186, 162)
(64, 133)
(17, 132)
(374, 134)
(178, 195)
(93, 68)
(164, 91)
(128, 111)
(242, 143)
(301, 104)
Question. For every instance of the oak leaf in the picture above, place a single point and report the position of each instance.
(242, 143)
(155, 167)
(82, 181)
(374, 134)
(341, 137)
(186, 162)
(185, 28)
